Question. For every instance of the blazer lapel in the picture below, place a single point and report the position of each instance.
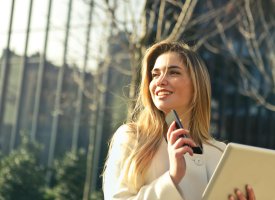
(195, 173)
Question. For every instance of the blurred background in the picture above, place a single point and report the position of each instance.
(69, 71)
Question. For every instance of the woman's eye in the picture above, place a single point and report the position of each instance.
(154, 75)
(174, 72)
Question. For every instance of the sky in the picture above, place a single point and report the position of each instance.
(77, 39)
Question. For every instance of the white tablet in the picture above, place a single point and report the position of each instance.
(241, 165)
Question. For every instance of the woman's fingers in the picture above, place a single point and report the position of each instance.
(180, 133)
(250, 193)
(240, 196)
(174, 134)
(231, 197)
(183, 150)
(181, 141)
(178, 142)
(171, 128)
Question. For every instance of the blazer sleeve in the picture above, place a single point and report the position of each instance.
(161, 188)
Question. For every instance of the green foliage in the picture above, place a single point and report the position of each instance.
(98, 195)
(21, 177)
(70, 177)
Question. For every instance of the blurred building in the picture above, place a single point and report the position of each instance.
(46, 110)
(113, 107)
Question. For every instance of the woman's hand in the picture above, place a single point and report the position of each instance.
(177, 147)
(240, 196)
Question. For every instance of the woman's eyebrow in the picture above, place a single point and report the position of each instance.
(169, 67)
(155, 70)
(174, 67)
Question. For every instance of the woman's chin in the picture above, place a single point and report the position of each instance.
(164, 109)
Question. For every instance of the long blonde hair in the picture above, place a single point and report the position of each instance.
(148, 124)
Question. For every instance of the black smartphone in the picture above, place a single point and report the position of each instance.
(197, 150)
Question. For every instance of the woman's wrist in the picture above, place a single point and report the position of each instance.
(174, 179)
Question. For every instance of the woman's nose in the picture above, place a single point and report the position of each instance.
(162, 80)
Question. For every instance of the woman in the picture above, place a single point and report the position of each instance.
(148, 158)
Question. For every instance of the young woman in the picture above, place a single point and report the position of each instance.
(148, 158)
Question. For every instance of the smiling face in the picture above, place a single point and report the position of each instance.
(171, 86)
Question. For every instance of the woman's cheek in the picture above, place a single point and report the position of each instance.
(152, 88)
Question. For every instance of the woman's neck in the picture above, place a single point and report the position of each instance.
(185, 119)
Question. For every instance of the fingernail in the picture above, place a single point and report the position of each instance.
(230, 197)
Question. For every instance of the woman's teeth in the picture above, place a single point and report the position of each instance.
(164, 93)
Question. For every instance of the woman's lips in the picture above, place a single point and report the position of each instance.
(161, 93)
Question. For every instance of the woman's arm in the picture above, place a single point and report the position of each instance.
(115, 188)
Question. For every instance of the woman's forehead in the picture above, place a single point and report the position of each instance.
(169, 60)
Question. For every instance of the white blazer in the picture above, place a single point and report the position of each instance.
(158, 183)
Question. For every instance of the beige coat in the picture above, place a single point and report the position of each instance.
(158, 182)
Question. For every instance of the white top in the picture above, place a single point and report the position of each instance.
(158, 183)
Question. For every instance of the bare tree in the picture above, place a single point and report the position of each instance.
(257, 68)
(241, 26)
